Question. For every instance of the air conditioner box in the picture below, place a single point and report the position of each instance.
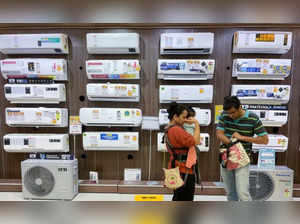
(34, 43)
(113, 43)
(111, 141)
(191, 69)
(186, 43)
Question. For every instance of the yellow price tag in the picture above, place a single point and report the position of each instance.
(148, 197)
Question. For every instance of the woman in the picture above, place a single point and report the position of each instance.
(179, 143)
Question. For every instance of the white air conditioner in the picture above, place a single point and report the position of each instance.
(271, 185)
(113, 43)
(270, 115)
(203, 147)
(35, 93)
(34, 68)
(110, 116)
(186, 93)
(190, 69)
(113, 92)
(49, 179)
(36, 117)
(261, 69)
(271, 42)
(202, 115)
(186, 43)
(34, 43)
(36, 143)
(277, 142)
(262, 94)
(111, 141)
(113, 69)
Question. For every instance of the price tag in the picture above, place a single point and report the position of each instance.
(75, 127)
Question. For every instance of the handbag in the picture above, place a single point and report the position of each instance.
(234, 156)
(172, 178)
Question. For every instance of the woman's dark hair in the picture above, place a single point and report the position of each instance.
(231, 101)
(191, 112)
(175, 108)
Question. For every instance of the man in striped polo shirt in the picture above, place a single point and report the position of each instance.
(241, 124)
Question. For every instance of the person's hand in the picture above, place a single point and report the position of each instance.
(191, 120)
(238, 136)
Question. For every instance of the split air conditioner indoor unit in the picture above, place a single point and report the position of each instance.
(277, 142)
(35, 93)
(190, 69)
(113, 92)
(113, 43)
(113, 69)
(270, 115)
(202, 115)
(111, 141)
(36, 143)
(269, 42)
(34, 68)
(186, 43)
(111, 117)
(186, 93)
(49, 179)
(36, 117)
(262, 94)
(203, 147)
(48, 43)
(261, 69)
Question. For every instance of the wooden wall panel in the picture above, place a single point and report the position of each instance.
(110, 165)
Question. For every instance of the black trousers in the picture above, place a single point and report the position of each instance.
(186, 192)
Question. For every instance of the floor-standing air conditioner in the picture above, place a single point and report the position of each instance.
(49, 179)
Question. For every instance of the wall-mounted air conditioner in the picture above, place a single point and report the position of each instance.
(270, 115)
(35, 93)
(111, 116)
(48, 43)
(36, 142)
(261, 69)
(277, 142)
(186, 43)
(36, 117)
(113, 92)
(113, 69)
(271, 42)
(186, 93)
(202, 115)
(111, 141)
(262, 94)
(113, 43)
(34, 68)
(203, 147)
(190, 69)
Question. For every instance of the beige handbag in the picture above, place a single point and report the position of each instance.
(172, 178)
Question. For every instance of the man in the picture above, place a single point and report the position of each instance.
(243, 125)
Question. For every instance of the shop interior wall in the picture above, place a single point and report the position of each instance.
(110, 165)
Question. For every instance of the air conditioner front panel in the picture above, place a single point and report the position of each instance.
(34, 44)
(202, 115)
(111, 141)
(191, 69)
(186, 93)
(111, 116)
(261, 69)
(113, 69)
(113, 92)
(186, 43)
(203, 147)
(35, 93)
(35, 68)
(113, 43)
(35, 117)
(262, 94)
(262, 42)
(49, 179)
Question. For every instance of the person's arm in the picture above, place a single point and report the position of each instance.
(222, 137)
(197, 132)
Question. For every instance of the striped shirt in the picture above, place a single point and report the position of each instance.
(247, 125)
